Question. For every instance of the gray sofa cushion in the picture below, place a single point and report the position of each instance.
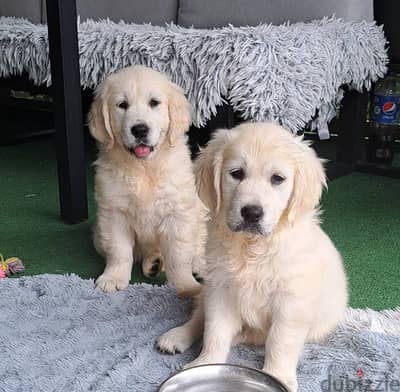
(157, 12)
(30, 9)
(217, 13)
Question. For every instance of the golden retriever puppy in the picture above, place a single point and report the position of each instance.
(274, 278)
(145, 190)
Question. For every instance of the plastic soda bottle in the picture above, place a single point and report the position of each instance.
(385, 120)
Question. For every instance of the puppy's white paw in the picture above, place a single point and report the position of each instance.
(176, 340)
(197, 362)
(291, 384)
(289, 380)
(151, 267)
(190, 289)
(199, 266)
(109, 283)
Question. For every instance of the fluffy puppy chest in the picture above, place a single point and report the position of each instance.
(255, 290)
(250, 275)
(159, 196)
(146, 197)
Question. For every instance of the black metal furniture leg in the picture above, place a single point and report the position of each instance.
(350, 143)
(224, 118)
(66, 90)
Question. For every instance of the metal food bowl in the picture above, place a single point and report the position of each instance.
(221, 378)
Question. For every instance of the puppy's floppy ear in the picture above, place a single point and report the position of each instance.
(208, 169)
(179, 113)
(99, 119)
(309, 181)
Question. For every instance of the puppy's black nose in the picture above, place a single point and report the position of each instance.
(252, 213)
(140, 131)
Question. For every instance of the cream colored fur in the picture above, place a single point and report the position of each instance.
(147, 208)
(280, 288)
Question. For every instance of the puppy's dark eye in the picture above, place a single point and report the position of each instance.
(154, 102)
(237, 174)
(123, 105)
(276, 179)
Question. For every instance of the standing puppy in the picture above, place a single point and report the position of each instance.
(274, 277)
(148, 207)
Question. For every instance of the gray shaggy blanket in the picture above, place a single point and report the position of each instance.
(58, 333)
(288, 73)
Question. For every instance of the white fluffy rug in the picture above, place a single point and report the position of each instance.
(58, 333)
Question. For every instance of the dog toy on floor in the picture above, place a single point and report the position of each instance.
(10, 266)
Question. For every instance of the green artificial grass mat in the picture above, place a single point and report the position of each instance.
(361, 215)
(30, 224)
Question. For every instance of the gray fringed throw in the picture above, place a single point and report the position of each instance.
(292, 73)
(58, 333)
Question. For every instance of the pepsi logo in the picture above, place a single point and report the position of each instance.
(389, 108)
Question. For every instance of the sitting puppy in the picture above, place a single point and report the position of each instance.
(148, 206)
(274, 277)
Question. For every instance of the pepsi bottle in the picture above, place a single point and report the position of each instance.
(385, 120)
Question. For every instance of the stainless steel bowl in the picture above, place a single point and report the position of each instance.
(221, 378)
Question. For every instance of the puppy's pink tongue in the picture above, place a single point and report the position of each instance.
(142, 151)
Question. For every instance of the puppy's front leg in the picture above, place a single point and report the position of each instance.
(180, 338)
(222, 323)
(286, 338)
(114, 240)
(178, 251)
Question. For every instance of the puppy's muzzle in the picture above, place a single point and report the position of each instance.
(140, 148)
(140, 131)
(252, 213)
(251, 220)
